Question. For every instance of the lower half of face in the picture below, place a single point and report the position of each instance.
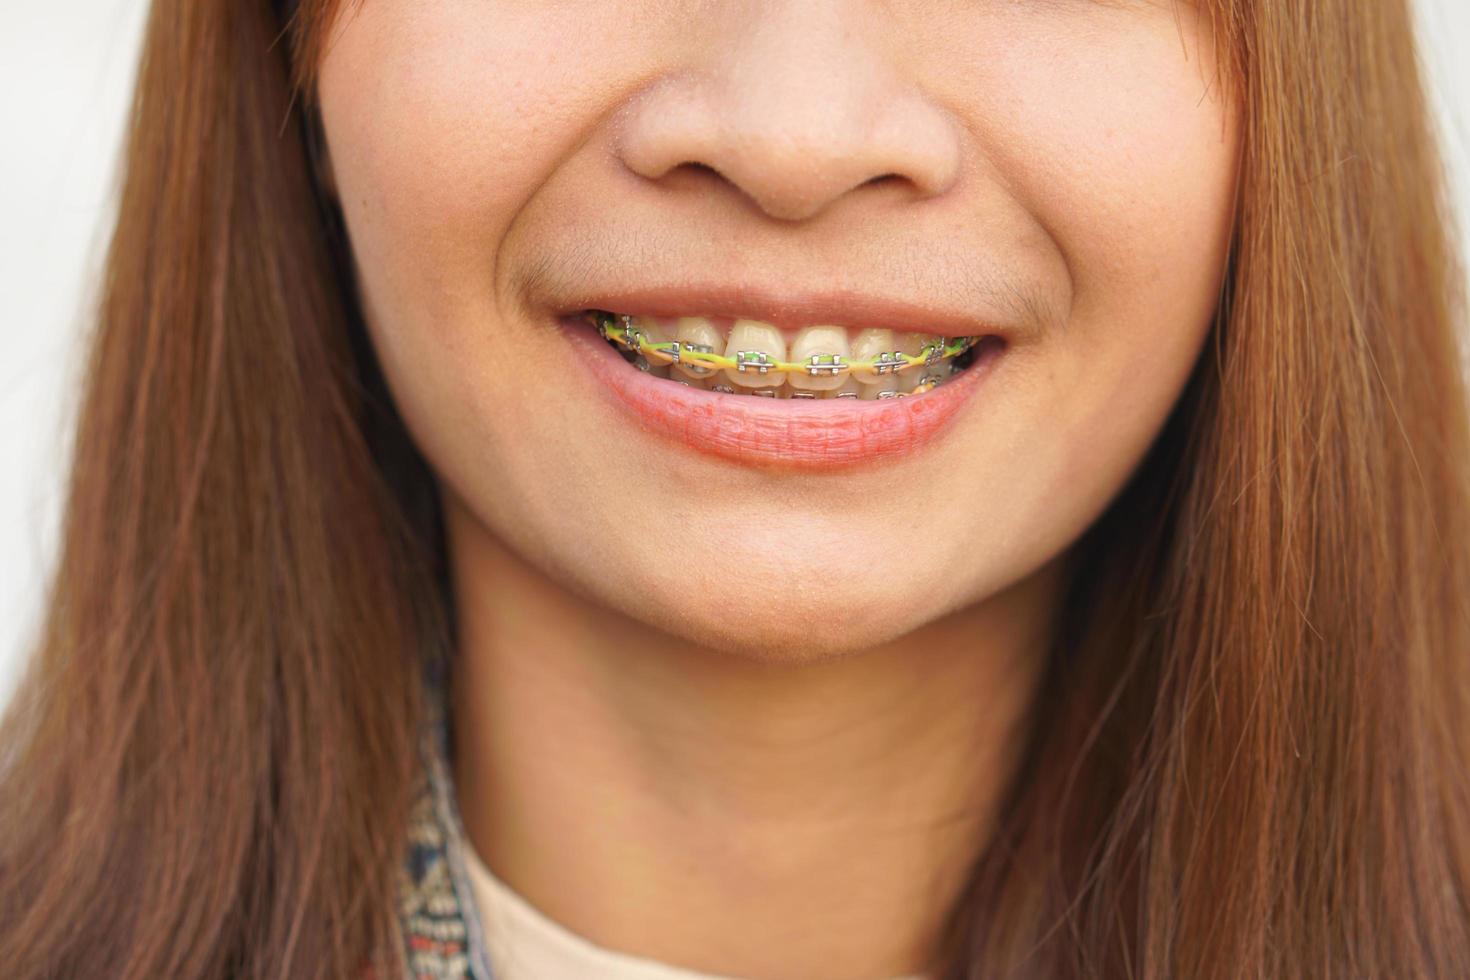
(783, 327)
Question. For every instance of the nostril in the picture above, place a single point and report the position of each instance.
(699, 167)
(889, 178)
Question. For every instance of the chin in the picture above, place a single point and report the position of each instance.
(795, 626)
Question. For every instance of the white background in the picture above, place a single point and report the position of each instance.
(66, 74)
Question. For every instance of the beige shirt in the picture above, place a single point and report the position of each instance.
(525, 944)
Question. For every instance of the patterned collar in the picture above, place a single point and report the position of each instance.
(437, 914)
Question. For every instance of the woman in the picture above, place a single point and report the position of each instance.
(761, 489)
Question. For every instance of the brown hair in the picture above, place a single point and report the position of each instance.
(1248, 758)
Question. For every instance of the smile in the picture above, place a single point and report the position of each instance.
(751, 393)
(756, 358)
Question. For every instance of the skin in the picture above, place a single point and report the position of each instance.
(699, 703)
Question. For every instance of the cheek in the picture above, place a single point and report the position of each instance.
(1149, 257)
(442, 120)
(1129, 164)
(1126, 155)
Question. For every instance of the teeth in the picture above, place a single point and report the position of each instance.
(866, 346)
(755, 344)
(652, 332)
(913, 345)
(699, 331)
(883, 386)
(934, 380)
(757, 347)
(818, 340)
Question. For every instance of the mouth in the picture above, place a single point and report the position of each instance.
(815, 397)
(749, 357)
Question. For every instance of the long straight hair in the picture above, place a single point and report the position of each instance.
(1249, 755)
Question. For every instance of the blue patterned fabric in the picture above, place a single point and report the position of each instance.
(439, 920)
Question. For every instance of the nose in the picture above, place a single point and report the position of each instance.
(797, 108)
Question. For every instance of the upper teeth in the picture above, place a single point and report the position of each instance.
(755, 354)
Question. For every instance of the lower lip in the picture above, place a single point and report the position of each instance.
(819, 434)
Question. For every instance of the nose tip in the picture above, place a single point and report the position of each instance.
(792, 130)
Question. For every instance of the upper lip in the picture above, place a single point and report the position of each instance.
(787, 309)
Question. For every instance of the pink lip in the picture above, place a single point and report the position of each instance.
(771, 433)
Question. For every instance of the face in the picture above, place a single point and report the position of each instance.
(1056, 176)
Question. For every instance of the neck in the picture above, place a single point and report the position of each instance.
(720, 812)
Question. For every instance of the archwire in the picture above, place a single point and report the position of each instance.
(701, 359)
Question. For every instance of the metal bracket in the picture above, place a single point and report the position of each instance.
(757, 359)
(828, 364)
(889, 363)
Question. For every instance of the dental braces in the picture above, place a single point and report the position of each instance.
(927, 382)
(701, 359)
